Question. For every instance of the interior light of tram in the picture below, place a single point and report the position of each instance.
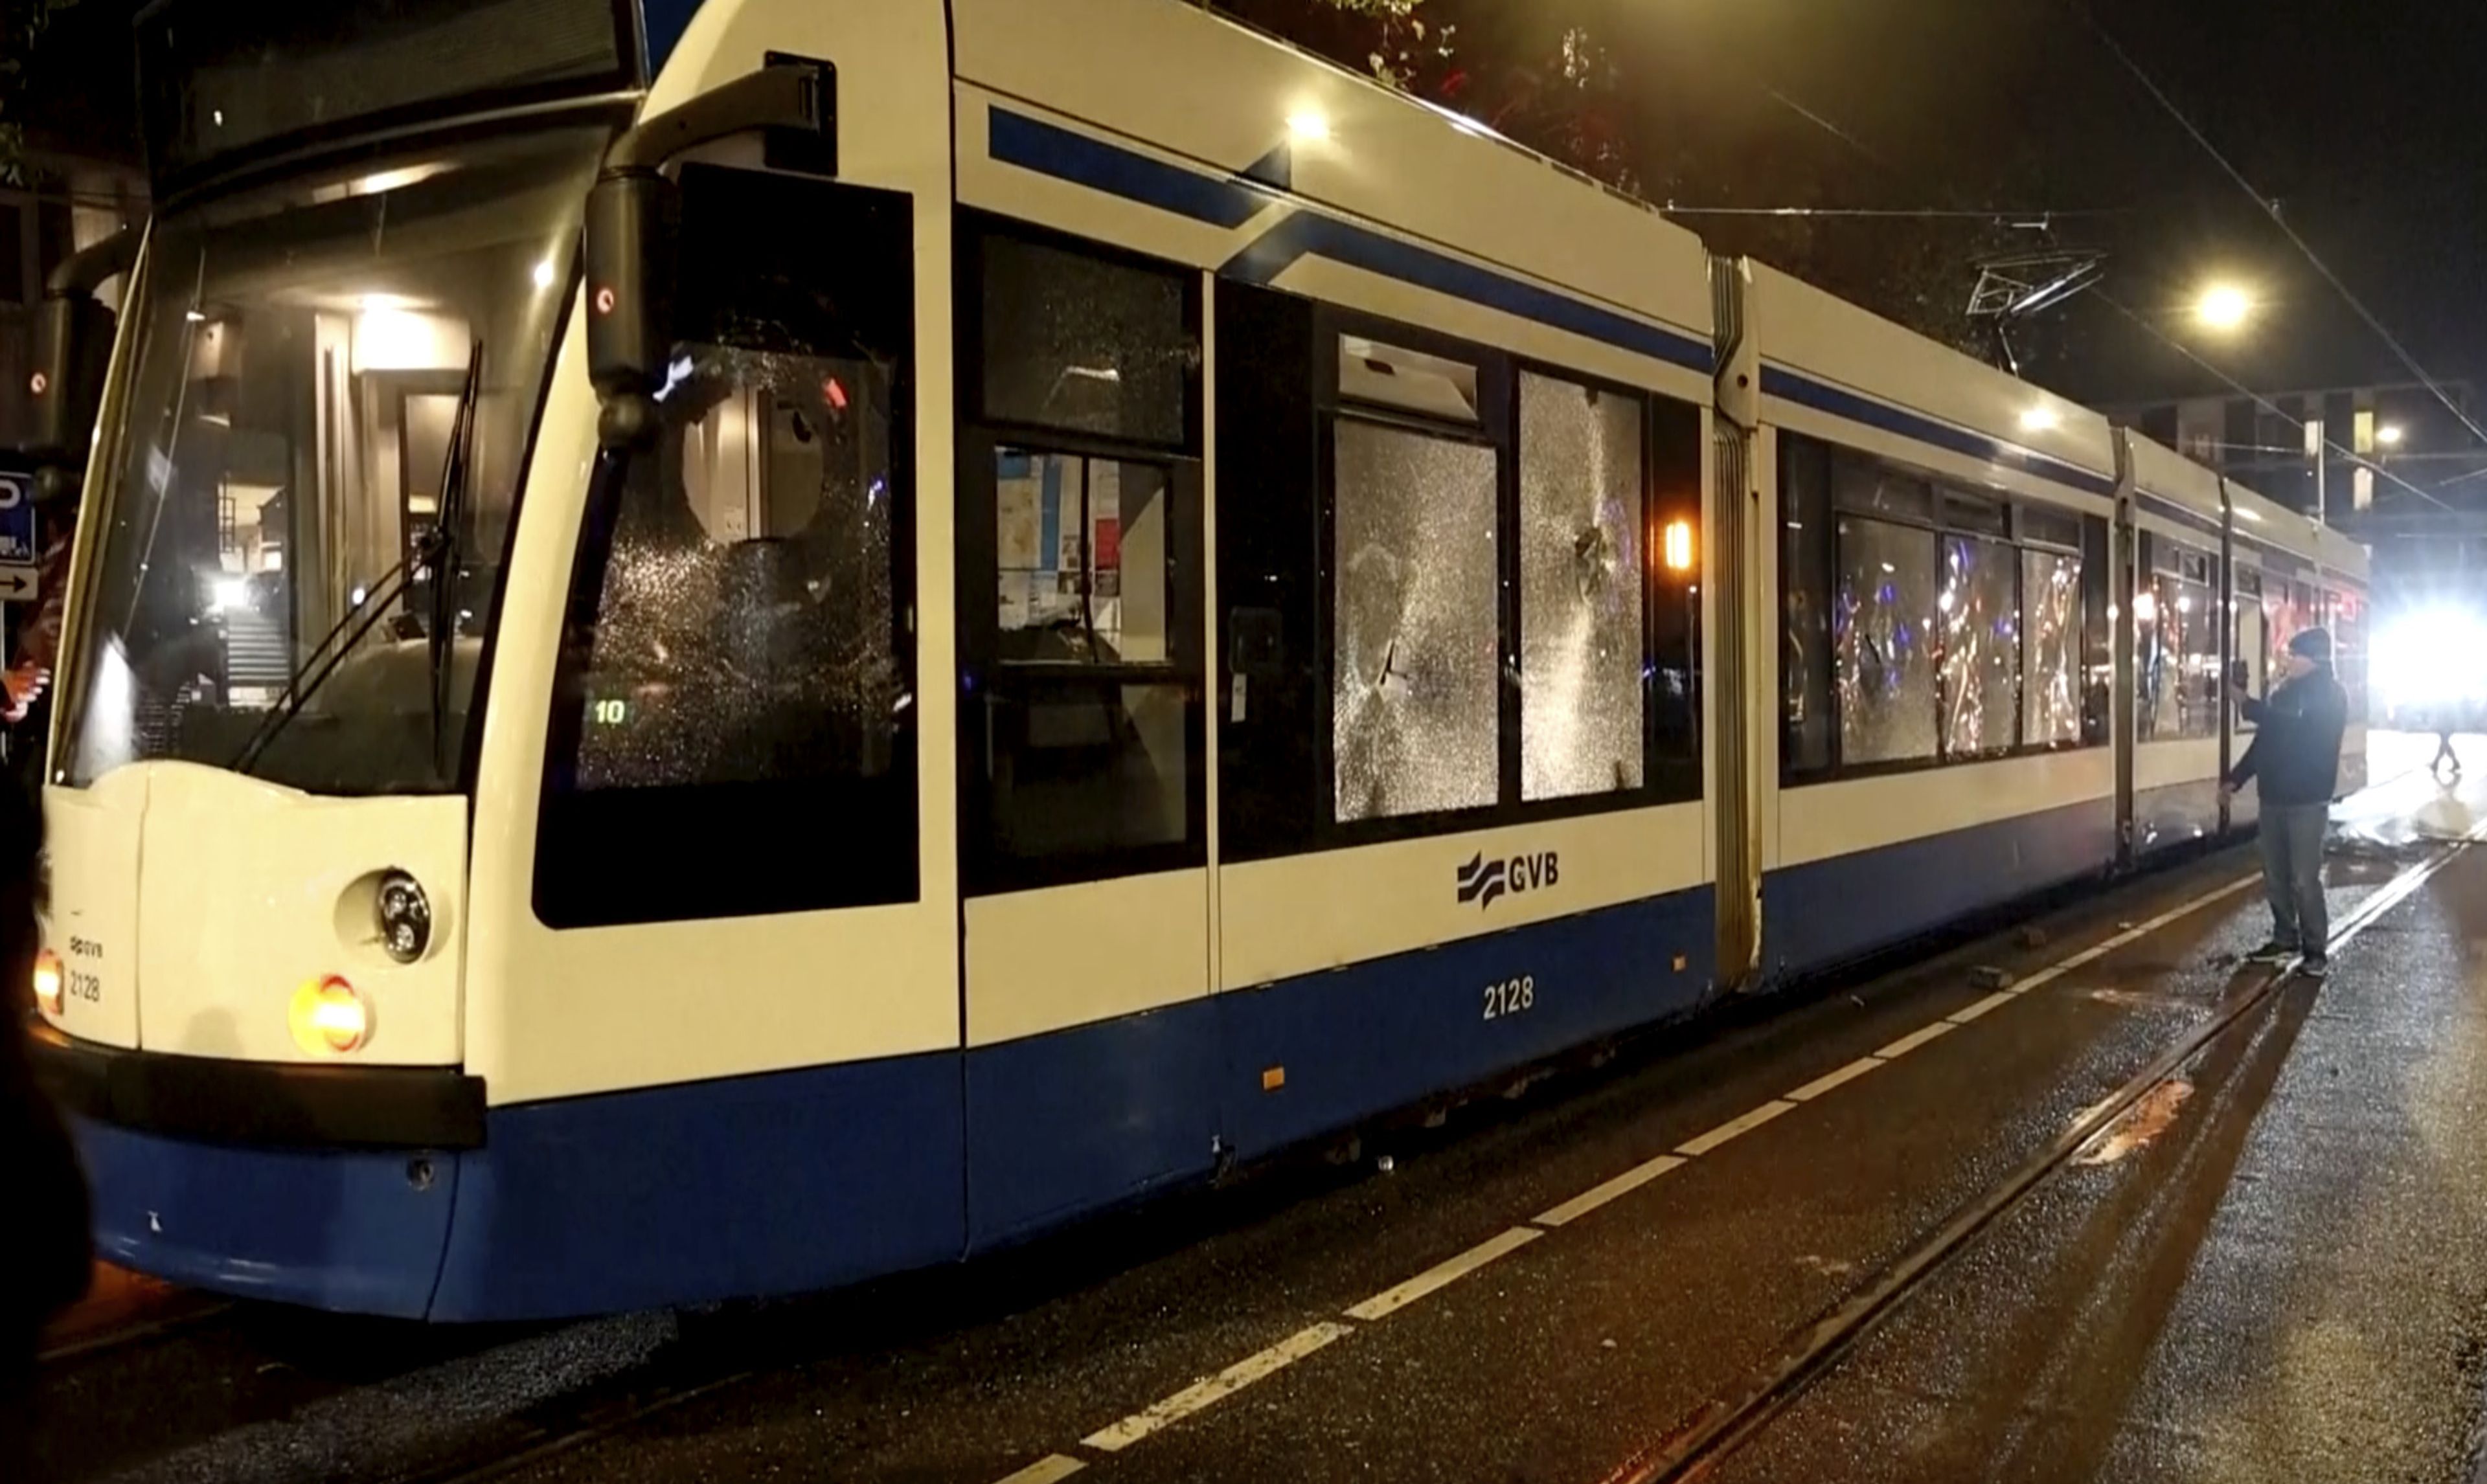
(1679, 545)
(390, 335)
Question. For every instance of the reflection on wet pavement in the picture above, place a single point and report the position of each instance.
(2408, 805)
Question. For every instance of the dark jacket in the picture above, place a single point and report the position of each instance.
(2295, 749)
(51, 1256)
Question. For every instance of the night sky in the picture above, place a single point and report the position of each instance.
(2362, 120)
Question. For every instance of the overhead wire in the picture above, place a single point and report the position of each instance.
(1999, 214)
(2354, 458)
(2272, 210)
(1825, 124)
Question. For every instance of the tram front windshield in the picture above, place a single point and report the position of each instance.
(298, 362)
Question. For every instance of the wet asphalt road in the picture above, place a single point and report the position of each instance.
(2287, 1281)
(2290, 1284)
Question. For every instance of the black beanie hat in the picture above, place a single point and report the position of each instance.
(2314, 644)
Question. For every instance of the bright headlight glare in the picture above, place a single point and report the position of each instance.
(2432, 658)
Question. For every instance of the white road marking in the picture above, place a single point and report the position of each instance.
(1048, 1469)
(1443, 1275)
(1206, 1392)
(1994, 1001)
(1590, 1200)
(1226, 1383)
(1734, 1128)
(1915, 1039)
(1841, 1077)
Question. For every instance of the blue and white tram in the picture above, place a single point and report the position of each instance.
(1060, 595)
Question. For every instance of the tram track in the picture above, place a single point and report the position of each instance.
(578, 1428)
(114, 1339)
(714, 1359)
(1707, 1437)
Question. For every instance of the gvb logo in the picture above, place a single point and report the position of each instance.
(1481, 880)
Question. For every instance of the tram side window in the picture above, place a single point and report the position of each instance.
(1075, 342)
(2098, 628)
(1889, 602)
(1924, 624)
(1679, 453)
(737, 664)
(1807, 720)
(1416, 701)
(1454, 589)
(1079, 556)
(2347, 613)
(1082, 559)
(1581, 476)
(2052, 697)
(1085, 749)
(2176, 634)
(1980, 625)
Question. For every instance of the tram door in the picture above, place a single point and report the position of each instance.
(1082, 647)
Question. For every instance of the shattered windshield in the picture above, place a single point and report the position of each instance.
(298, 367)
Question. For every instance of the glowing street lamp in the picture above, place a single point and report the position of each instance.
(2223, 307)
(2388, 435)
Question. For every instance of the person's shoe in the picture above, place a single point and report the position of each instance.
(2273, 953)
(2314, 966)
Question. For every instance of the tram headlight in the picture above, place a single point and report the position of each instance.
(330, 1015)
(48, 982)
(405, 915)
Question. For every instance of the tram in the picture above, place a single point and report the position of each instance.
(721, 647)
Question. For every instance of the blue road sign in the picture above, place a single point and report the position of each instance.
(17, 519)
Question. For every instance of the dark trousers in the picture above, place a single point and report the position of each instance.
(2292, 874)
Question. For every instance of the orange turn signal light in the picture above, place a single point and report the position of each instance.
(48, 982)
(330, 1015)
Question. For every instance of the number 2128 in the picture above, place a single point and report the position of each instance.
(1511, 997)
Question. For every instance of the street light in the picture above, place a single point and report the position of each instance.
(2223, 307)
(2388, 435)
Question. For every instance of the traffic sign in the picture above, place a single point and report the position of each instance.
(17, 519)
(17, 581)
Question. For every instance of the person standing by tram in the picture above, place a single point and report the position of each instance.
(2295, 762)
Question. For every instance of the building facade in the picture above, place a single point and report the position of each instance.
(2402, 472)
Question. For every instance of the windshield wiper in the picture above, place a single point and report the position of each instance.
(441, 548)
(322, 662)
(437, 553)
